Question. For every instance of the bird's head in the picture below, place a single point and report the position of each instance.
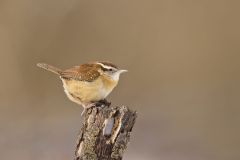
(110, 70)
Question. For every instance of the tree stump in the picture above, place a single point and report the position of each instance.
(105, 132)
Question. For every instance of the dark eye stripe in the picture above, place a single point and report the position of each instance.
(106, 69)
(109, 64)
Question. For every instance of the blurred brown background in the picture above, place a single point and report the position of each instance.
(183, 61)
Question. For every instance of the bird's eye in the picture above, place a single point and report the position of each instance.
(110, 69)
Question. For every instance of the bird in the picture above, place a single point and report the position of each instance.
(89, 83)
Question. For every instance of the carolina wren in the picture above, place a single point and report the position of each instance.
(88, 83)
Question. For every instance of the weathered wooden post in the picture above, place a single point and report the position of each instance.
(105, 133)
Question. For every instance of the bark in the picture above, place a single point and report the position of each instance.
(105, 133)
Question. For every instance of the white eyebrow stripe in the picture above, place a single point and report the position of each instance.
(105, 66)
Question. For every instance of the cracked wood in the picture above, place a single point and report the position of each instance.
(105, 133)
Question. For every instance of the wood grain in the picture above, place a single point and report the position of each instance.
(105, 133)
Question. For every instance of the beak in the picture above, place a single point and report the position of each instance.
(123, 71)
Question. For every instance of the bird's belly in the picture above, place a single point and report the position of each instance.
(85, 92)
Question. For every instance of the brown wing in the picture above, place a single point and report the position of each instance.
(84, 72)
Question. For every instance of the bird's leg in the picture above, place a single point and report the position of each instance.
(87, 106)
(103, 102)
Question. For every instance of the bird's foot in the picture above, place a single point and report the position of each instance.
(100, 103)
(103, 102)
(86, 107)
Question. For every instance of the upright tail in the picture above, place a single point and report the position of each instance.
(50, 68)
